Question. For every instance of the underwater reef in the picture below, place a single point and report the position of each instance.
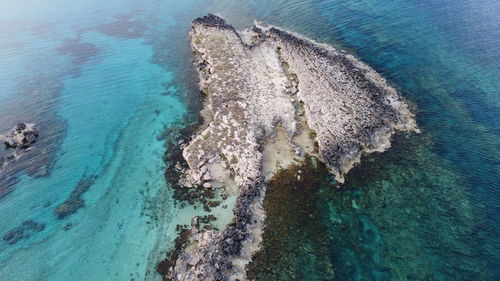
(273, 100)
(24, 231)
(391, 220)
(75, 201)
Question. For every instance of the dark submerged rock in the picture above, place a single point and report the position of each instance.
(165, 267)
(75, 200)
(69, 207)
(24, 231)
(14, 235)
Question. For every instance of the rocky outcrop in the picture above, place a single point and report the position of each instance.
(349, 106)
(258, 84)
(17, 142)
(22, 136)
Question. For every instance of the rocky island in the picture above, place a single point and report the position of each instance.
(273, 97)
(21, 136)
(17, 140)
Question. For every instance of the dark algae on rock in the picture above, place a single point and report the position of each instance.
(295, 243)
(165, 267)
(376, 225)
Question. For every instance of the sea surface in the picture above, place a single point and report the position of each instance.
(110, 84)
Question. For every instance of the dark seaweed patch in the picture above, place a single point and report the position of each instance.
(75, 200)
(126, 26)
(24, 231)
(401, 214)
(293, 236)
(164, 267)
(80, 51)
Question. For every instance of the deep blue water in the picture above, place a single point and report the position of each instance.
(103, 81)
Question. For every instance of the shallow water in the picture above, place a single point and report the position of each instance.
(104, 81)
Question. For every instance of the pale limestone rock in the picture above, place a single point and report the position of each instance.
(270, 78)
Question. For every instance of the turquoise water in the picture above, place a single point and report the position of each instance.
(116, 101)
(103, 81)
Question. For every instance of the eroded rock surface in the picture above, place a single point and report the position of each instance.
(18, 141)
(257, 85)
(21, 136)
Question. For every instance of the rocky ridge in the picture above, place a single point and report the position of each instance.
(261, 85)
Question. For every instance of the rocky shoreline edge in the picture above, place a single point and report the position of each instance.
(273, 97)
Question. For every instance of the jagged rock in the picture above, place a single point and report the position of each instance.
(21, 136)
(253, 84)
(20, 127)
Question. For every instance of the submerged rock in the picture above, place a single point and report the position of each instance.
(328, 104)
(14, 235)
(69, 207)
(24, 231)
(68, 226)
(75, 201)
